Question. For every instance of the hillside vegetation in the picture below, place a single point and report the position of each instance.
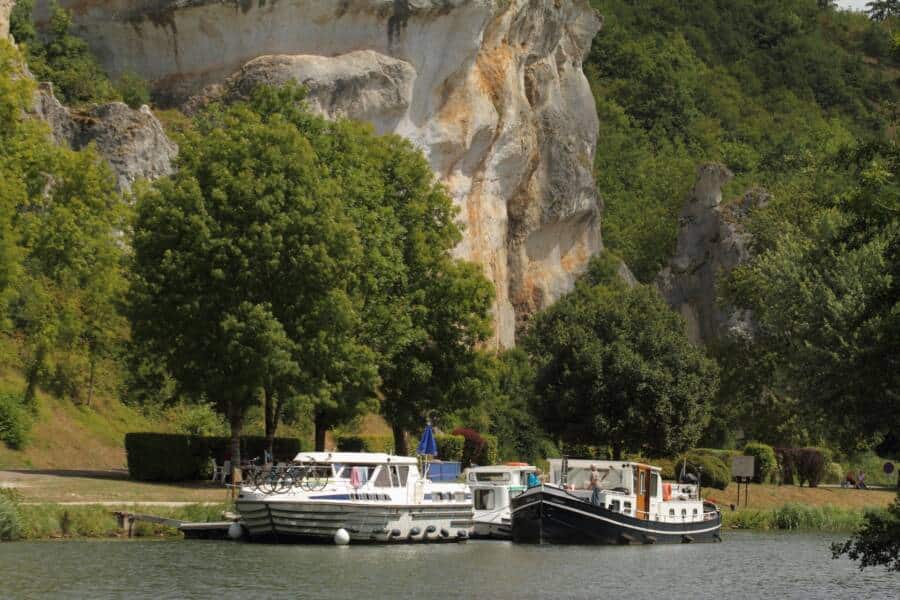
(297, 274)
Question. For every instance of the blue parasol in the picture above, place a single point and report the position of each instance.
(427, 446)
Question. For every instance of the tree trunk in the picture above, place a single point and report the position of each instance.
(91, 382)
(321, 428)
(271, 422)
(400, 448)
(237, 426)
(31, 377)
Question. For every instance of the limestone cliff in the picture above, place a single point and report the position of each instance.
(5, 8)
(491, 90)
(132, 141)
(712, 241)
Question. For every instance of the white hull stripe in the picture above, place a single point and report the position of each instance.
(620, 524)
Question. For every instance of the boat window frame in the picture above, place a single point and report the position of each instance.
(382, 472)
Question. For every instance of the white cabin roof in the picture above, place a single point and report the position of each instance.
(584, 463)
(360, 458)
(501, 469)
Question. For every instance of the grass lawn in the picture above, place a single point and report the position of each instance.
(104, 486)
(773, 496)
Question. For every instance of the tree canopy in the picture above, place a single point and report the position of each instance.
(615, 367)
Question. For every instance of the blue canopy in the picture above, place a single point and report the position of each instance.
(427, 446)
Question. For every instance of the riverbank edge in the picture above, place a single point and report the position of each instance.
(798, 517)
(54, 521)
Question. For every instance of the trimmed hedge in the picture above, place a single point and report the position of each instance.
(365, 443)
(450, 447)
(477, 449)
(807, 465)
(179, 457)
(766, 464)
(716, 472)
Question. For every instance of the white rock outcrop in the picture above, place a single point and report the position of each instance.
(491, 90)
(133, 142)
(6, 7)
(712, 241)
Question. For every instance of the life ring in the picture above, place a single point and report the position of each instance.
(667, 491)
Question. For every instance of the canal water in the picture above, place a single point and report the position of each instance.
(745, 565)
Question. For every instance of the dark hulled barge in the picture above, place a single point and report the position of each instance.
(630, 505)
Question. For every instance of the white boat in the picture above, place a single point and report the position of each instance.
(492, 489)
(358, 497)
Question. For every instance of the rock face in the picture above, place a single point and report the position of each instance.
(491, 90)
(132, 141)
(711, 241)
(6, 7)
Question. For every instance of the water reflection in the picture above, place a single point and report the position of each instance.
(746, 565)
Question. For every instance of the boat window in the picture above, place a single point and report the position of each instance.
(643, 487)
(364, 472)
(484, 499)
(495, 476)
(382, 477)
(614, 506)
(400, 475)
(627, 510)
(695, 512)
(683, 513)
(671, 512)
(654, 485)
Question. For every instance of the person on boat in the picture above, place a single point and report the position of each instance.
(595, 485)
(534, 478)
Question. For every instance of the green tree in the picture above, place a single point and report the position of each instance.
(63, 59)
(823, 291)
(614, 366)
(246, 265)
(60, 250)
(877, 543)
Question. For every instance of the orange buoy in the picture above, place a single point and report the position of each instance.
(515, 464)
(667, 491)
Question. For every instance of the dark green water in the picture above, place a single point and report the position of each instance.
(746, 565)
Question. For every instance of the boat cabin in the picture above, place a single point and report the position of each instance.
(494, 486)
(633, 489)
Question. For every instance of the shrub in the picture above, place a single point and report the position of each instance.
(834, 473)
(15, 423)
(197, 419)
(450, 447)
(179, 457)
(491, 454)
(364, 443)
(10, 520)
(667, 466)
(766, 465)
(715, 472)
(134, 90)
(586, 451)
(475, 448)
(806, 464)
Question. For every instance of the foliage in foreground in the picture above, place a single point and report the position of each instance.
(877, 542)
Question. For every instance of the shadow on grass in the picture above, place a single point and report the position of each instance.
(113, 475)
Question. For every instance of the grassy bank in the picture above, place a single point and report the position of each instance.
(795, 517)
(55, 521)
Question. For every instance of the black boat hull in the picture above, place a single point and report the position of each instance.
(548, 515)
